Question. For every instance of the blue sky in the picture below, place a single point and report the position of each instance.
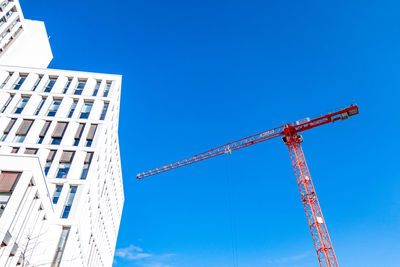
(198, 74)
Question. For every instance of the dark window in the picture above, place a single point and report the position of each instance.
(8, 129)
(73, 107)
(22, 131)
(50, 85)
(43, 131)
(68, 203)
(47, 167)
(67, 85)
(79, 87)
(57, 193)
(87, 107)
(54, 107)
(96, 88)
(86, 165)
(21, 105)
(37, 84)
(78, 133)
(104, 111)
(7, 103)
(65, 164)
(107, 89)
(60, 247)
(40, 106)
(90, 135)
(20, 81)
(49, 160)
(58, 133)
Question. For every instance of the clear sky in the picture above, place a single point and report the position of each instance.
(198, 74)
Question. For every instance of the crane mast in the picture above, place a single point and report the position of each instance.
(292, 138)
(322, 241)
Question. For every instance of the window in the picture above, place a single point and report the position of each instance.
(73, 107)
(79, 87)
(78, 133)
(7, 103)
(68, 203)
(47, 167)
(65, 164)
(50, 85)
(86, 165)
(31, 151)
(15, 150)
(3, 5)
(8, 129)
(13, 24)
(107, 89)
(58, 133)
(9, 13)
(22, 131)
(49, 160)
(6, 240)
(37, 83)
(87, 107)
(63, 169)
(43, 131)
(19, 138)
(60, 247)
(14, 250)
(8, 180)
(104, 111)
(21, 105)
(6, 80)
(57, 193)
(20, 81)
(40, 106)
(67, 85)
(54, 107)
(90, 136)
(96, 88)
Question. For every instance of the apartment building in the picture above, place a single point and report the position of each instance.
(61, 191)
(69, 121)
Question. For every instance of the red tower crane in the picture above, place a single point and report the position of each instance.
(292, 138)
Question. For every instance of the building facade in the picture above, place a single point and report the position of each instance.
(60, 168)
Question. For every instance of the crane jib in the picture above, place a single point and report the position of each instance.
(298, 126)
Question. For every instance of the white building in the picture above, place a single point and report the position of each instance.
(69, 120)
(23, 42)
(59, 142)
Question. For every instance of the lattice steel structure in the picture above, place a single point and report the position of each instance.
(319, 232)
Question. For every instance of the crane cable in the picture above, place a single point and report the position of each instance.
(230, 210)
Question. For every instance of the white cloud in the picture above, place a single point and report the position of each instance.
(141, 258)
(132, 253)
